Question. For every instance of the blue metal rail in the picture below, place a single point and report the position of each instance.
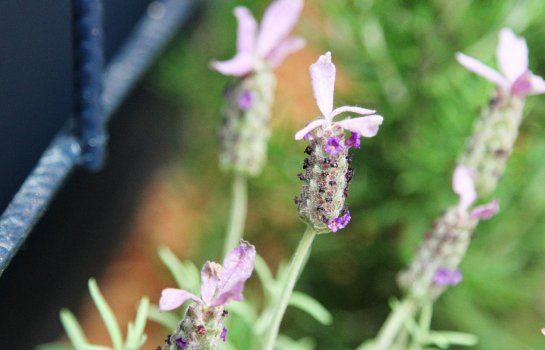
(82, 142)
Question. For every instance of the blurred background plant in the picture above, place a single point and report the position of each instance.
(397, 57)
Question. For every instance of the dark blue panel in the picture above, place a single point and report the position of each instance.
(35, 84)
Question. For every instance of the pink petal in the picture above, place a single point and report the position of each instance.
(486, 211)
(237, 268)
(239, 65)
(353, 109)
(278, 21)
(172, 298)
(246, 31)
(365, 126)
(309, 127)
(512, 55)
(483, 70)
(286, 47)
(210, 277)
(538, 85)
(463, 185)
(322, 76)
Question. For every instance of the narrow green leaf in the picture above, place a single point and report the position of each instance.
(135, 332)
(245, 311)
(73, 329)
(186, 274)
(286, 343)
(107, 315)
(264, 273)
(312, 307)
(168, 319)
(444, 339)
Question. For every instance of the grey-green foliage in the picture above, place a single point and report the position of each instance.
(248, 321)
(134, 340)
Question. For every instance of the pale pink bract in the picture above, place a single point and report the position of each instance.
(322, 74)
(512, 58)
(464, 187)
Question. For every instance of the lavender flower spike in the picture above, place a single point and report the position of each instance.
(327, 175)
(245, 127)
(268, 47)
(512, 56)
(204, 323)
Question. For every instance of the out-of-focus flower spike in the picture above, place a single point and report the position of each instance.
(278, 21)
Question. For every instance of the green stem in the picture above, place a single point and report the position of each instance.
(296, 266)
(237, 217)
(392, 326)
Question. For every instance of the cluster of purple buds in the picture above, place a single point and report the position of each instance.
(245, 130)
(326, 171)
(203, 325)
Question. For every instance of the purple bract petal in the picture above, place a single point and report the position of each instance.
(522, 86)
(446, 277)
(512, 55)
(278, 21)
(181, 342)
(353, 140)
(340, 222)
(333, 146)
(322, 76)
(237, 268)
(486, 211)
(308, 128)
(365, 126)
(286, 47)
(223, 335)
(462, 184)
(210, 278)
(246, 100)
(172, 298)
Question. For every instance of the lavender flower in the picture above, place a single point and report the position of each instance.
(268, 47)
(435, 266)
(246, 112)
(203, 325)
(327, 174)
(512, 57)
(446, 277)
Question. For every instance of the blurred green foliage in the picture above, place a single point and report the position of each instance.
(399, 58)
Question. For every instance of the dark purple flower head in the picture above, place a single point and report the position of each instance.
(246, 100)
(353, 141)
(181, 342)
(223, 335)
(446, 277)
(333, 146)
(340, 222)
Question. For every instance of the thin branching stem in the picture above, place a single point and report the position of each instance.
(237, 216)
